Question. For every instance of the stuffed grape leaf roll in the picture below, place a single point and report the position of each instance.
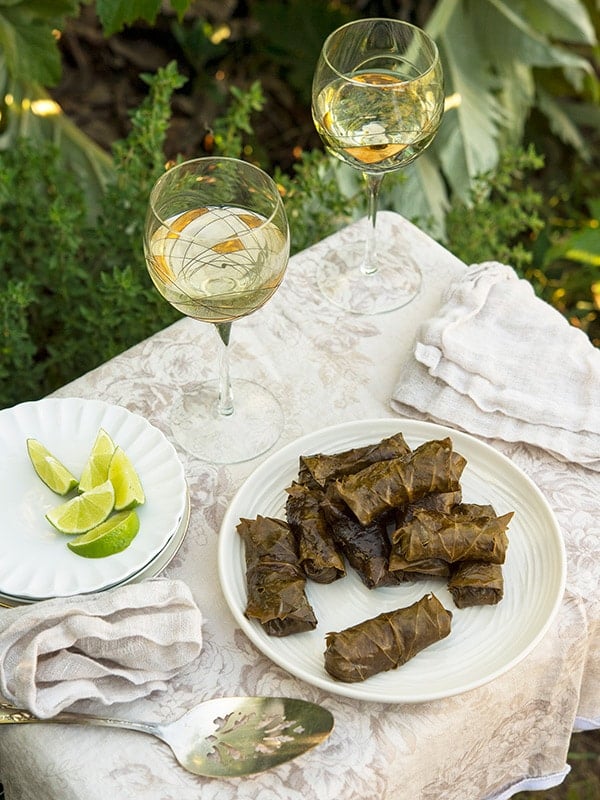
(274, 579)
(323, 468)
(386, 641)
(317, 553)
(457, 536)
(475, 583)
(366, 547)
(432, 467)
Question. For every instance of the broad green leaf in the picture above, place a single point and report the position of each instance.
(422, 197)
(583, 246)
(561, 20)
(466, 143)
(180, 7)
(516, 96)
(115, 14)
(504, 31)
(51, 10)
(441, 15)
(561, 123)
(29, 47)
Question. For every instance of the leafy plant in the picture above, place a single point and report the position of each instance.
(75, 293)
(499, 57)
(503, 213)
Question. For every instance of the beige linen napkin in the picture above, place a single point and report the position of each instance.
(112, 646)
(499, 362)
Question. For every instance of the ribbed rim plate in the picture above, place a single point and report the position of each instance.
(36, 563)
(484, 642)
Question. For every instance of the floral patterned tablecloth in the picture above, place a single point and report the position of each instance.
(328, 367)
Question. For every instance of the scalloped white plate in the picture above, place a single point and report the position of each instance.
(484, 642)
(36, 563)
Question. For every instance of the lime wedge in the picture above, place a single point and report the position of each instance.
(108, 538)
(128, 488)
(96, 467)
(54, 474)
(84, 512)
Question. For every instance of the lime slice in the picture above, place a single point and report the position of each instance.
(84, 512)
(128, 488)
(54, 474)
(109, 537)
(96, 467)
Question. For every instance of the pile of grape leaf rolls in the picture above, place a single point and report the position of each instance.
(391, 514)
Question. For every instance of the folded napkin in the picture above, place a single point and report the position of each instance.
(499, 362)
(112, 646)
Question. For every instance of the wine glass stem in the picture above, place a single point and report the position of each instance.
(369, 264)
(225, 401)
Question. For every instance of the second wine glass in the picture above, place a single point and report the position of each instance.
(377, 104)
(217, 245)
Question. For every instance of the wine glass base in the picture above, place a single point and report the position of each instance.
(396, 281)
(252, 429)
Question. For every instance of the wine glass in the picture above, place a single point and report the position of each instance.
(217, 243)
(377, 102)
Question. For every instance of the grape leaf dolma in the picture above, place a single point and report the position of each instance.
(432, 467)
(386, 641)
(317, 553)
(323, 468)
(275, 582)
(457, 536)
(366, 547)
(475, 583)
(425, 567)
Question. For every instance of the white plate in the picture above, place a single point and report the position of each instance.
(36, 563)
(484, 642)
(153, 568)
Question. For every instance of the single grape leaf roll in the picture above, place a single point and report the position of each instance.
(476, 583)
(387, 641)
(366, 547)
(274, 580)
(324, 467)
(432, 467)
(457, 536)
(317, 553)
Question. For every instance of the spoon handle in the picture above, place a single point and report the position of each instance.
(12, 715)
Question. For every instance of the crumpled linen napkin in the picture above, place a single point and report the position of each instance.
(112, 646)
(499, 362)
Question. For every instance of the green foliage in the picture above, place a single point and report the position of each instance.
(502, 59)
(116, 14)
(74, 293)
(502, 214)
(293, 33)
(26, 39)
(234, 126)
(315, 204)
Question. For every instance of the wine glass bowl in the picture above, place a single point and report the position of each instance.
(377, 104)
(216, 243)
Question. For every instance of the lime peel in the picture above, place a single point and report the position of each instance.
(110, 537)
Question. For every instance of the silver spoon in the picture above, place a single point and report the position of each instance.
(224, 737)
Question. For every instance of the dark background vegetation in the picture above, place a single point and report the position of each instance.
(71, 252)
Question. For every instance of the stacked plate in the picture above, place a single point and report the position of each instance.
(35, 563)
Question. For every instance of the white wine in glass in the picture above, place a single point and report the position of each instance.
(217, 245)
(377, 104)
